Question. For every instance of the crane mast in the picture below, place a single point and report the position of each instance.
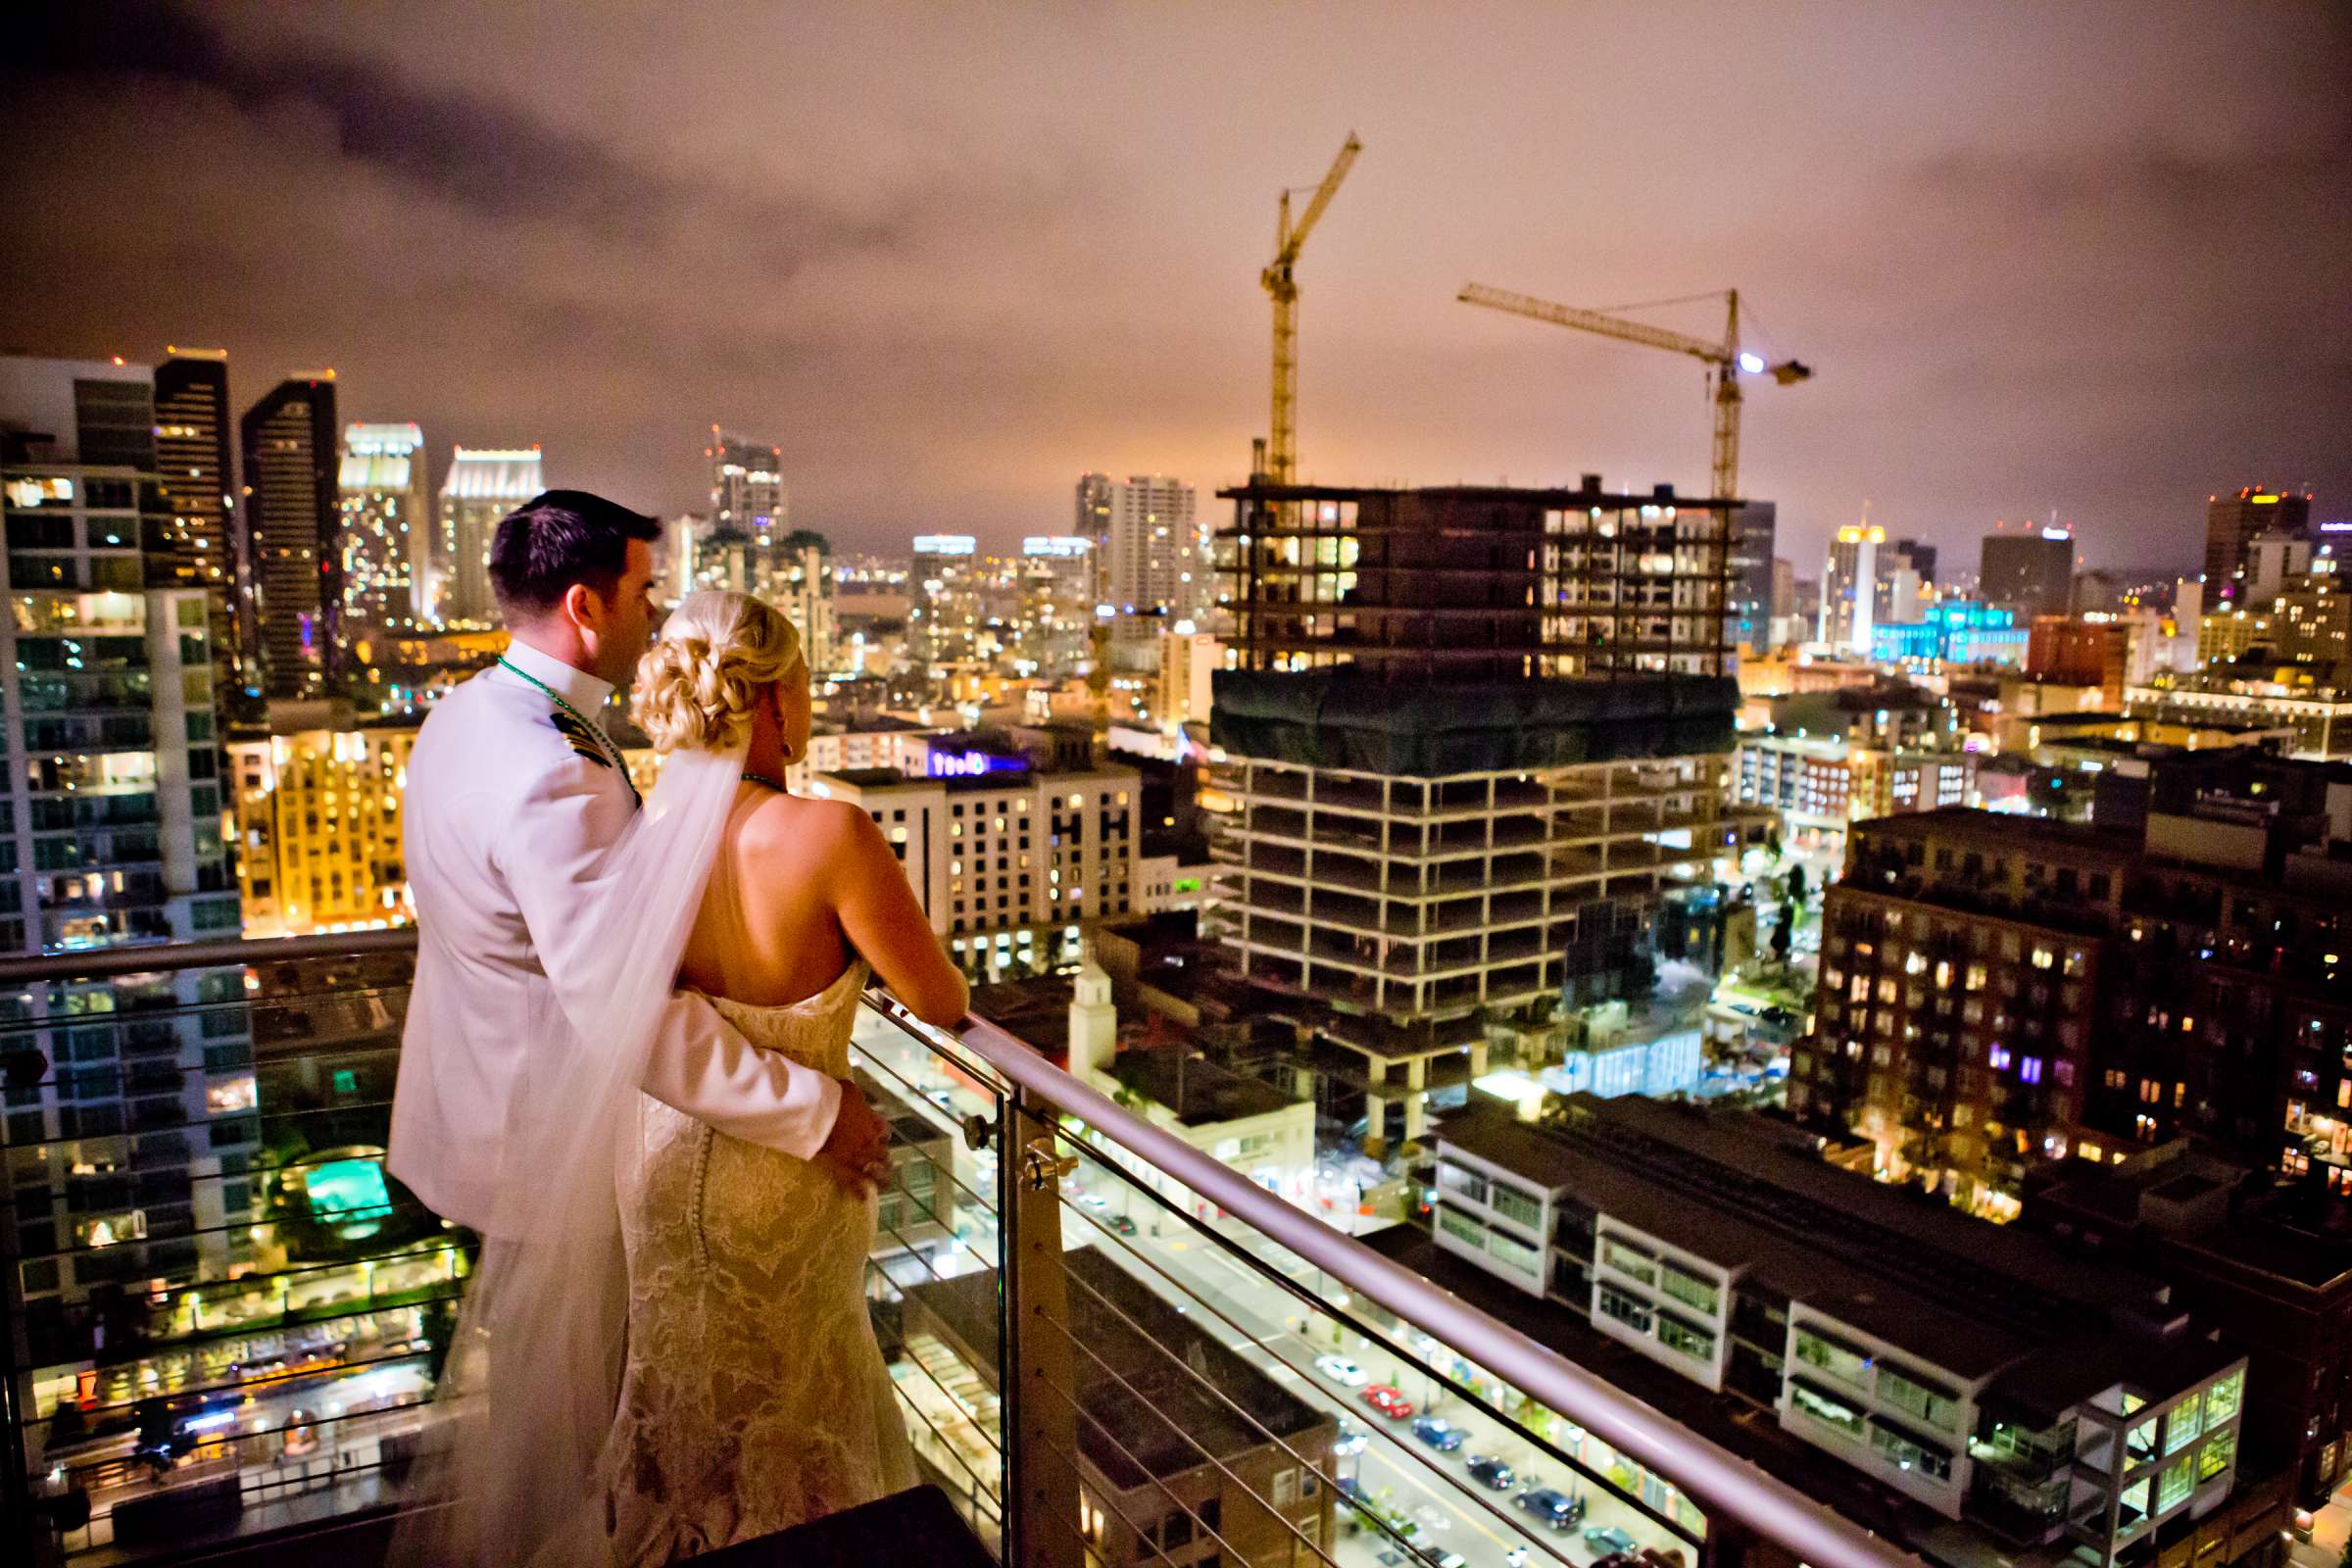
(1281, 283)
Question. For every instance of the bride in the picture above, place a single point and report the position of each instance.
(720, 1282)
(753, 1397)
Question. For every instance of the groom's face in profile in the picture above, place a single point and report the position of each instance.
(625, 626)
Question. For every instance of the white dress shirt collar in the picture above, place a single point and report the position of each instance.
(583, 691)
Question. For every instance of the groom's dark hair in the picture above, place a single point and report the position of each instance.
(559, 537)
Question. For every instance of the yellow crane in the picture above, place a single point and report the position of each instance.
(1282, 445)
(1725, 360)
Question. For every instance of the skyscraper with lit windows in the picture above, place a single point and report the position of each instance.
(289, 441)
(384, 533)
(483, 485)
(129, 1100)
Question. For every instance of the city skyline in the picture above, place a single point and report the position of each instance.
(926, 321)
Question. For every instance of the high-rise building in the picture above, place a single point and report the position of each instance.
(1849, 588)
(289, 439)
(1476, 740)
(111, 822)
(483, 484)
(198, 547)
(2031, 571)
(384, 537)
(319, 825)
(944, 618)
(1753, 523)
(1150, 565)
(1906, 582)
(800, 583)
(2234, 522)
(1053, 618)
(747, 495)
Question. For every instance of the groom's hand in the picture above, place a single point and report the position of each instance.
(857, 1149)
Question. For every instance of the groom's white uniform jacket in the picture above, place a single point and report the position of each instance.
(509, 805)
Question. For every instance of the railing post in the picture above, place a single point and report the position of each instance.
(1038, 1377)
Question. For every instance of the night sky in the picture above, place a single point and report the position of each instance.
(2052, 255)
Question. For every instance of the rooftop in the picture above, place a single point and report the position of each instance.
(1964, 1295)
(1196, 1089)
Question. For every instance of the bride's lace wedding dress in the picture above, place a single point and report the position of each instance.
(755, 1396)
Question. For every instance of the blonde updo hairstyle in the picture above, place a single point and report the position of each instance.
(718, 655)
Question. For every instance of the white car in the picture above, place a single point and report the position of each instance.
(1340, 1369)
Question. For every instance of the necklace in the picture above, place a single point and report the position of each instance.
(604, 742)
(750, 777)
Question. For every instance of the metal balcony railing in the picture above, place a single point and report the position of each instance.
(224, 1324)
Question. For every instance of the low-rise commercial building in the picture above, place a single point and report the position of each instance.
(1983, 1373)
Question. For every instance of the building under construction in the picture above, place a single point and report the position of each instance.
(1475, 738)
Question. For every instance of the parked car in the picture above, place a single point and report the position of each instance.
(1560, 1512)
(1388, 1402)
(1492, 1473)
(1351, 1440)
(1122, 1224)
(1609, 1539)
(1340, 1369)
(1440, 1433)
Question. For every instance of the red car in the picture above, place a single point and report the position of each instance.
(1388, 1402)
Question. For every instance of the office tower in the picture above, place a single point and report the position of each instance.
(200, 548)
(1906, 582)
(1092, 521)
(384, 537)
(319, 825)
(1461, 798)
(2234, 522)
(1996, 987)
(748, 496)
(289, 439)
(944, 618)
(800, 583)
(1849, 588)
(483, 484)
(1753, 523)
(110, 819)
(1782, 627)
(2031, 571)
(1053, 617)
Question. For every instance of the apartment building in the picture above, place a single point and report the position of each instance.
(1992, 985)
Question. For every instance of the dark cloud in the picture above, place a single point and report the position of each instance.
(2088, 258)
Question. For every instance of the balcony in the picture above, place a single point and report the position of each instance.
(1109, 1348)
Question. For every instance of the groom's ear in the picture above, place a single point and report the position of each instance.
(580, 605)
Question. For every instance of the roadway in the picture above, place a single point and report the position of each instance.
(1282, 1336)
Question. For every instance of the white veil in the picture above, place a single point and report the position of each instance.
(508, 1471)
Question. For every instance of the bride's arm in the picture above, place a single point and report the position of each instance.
(880, 918)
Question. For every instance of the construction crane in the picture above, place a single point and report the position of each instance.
(1282, 447)
(1725, 360)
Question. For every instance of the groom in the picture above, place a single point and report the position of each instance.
(515, 793)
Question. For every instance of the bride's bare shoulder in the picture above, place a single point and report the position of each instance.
(802, 827)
